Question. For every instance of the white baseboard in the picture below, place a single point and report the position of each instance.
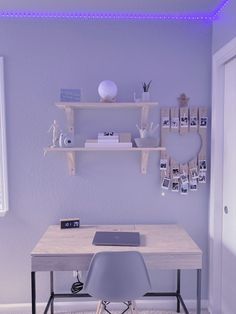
(25, 308)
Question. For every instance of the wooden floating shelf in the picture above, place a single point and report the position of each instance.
(106, 105)
(71, 153)
(86, 149)
(70, 108)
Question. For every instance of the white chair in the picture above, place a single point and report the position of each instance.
(117, 277)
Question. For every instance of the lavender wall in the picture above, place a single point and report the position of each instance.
(43, 56)
(224, 29)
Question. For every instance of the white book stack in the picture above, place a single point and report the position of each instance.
(110, 139)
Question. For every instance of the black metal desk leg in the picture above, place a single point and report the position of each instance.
(178, 290)
(52, 291)
(199, 291)
(33, 292)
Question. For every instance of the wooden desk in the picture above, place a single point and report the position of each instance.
(162, 246)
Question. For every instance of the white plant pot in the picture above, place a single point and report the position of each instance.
(145, 96)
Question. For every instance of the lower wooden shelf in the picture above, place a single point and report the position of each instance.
(71, 152)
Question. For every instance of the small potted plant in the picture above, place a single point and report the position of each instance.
(146, 94)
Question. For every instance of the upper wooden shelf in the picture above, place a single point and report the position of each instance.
(70, 108)
(107, 105)
(87, 149)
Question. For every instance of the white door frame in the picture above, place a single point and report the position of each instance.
(221, 57)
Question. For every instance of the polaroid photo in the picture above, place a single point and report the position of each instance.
(193, 121)
(193, 173)
(175, 173)
(202, 177)
(174, 123)
(203, 122)
(202, 165)
(193, 185)
(165, 183)
(165, 122)
(163, 164)
(184, 189)
(184, 122)
(175, 186)
(184, 179)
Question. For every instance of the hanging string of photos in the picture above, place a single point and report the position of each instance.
(176, 176)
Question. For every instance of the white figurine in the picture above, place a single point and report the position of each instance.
(147, 131)
(55, 129)
(152, 129)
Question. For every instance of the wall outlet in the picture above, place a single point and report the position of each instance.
(74, 273)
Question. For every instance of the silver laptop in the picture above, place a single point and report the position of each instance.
(117, 238)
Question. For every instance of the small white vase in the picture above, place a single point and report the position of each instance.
(145, 96)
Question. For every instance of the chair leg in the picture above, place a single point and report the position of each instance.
(99, 308)
(133, 308)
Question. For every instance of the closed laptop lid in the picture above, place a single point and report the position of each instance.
(116, 238)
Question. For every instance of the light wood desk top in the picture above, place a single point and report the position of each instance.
(163, 247)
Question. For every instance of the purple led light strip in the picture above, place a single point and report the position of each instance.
(98, 16)
(115, 16)
(218, 9)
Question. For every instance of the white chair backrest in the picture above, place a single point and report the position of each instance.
(117, 276)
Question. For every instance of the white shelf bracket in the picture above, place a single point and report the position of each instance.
(70, 119)
(144, 116)
(71, 162)
(144, 161)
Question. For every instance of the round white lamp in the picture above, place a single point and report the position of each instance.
(107, 90)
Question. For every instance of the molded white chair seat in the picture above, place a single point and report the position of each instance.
(117, 277)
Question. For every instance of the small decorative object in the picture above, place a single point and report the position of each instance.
(146, 94)
(147, 131)
(147, 136)
(146, 142)
(61, 140)
(107, 90)
(71, 95)
(183, 100)
(55, 129)
(69, 141)
(66, 140)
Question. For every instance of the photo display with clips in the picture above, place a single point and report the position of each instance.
(184, 121)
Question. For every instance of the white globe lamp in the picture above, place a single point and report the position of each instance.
(107, 90)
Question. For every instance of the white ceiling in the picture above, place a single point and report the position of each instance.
(157, 6)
